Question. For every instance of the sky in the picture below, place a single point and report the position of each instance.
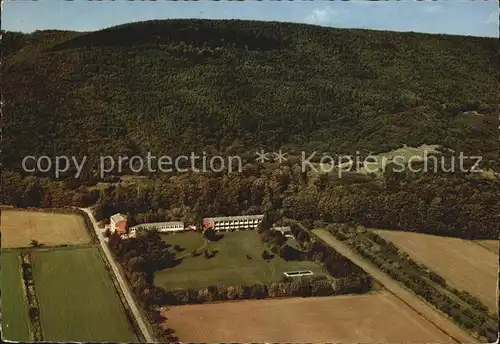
(456, 17)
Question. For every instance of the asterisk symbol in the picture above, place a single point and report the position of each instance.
(280, 156)
(262, 156)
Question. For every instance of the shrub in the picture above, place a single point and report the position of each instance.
(33, 312)
(437, 279)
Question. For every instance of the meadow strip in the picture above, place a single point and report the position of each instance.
(14, 305)
(77, 299)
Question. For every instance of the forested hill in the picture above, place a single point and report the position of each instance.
(172, 86)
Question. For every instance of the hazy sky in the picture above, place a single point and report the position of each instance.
(462, 17)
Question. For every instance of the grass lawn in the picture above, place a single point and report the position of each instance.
(293, 243)
(189, 241)
(15, 321)
(230, 266)
(381, 160)
(77, 298)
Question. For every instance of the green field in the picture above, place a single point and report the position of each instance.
(230, 266)
(381, 160)
(189, 241)
(77, 298)
(15, 321)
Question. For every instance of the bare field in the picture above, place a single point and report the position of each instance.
(20, 227)
(490, 245)
(464, 264)
(371, 318)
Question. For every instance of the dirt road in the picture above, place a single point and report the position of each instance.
(438, 320)
(121, 281)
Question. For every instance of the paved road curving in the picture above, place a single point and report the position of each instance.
(121, 281)
(454, 332)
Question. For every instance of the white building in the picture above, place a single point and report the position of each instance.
(232, 222)
(162, 227)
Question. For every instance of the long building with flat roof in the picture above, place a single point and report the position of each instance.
(171, 226)
(222, 223)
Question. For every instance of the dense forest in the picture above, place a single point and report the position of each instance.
(232, 87)
(174, 86)
(458, 205)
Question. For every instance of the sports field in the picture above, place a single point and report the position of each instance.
(77, 299)
(20, 227)
(15, 321)
(369, 318)
(230, 265)
(464, 264)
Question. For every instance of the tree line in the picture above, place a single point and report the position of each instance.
(466, 310)
(449, 204)
(35, 325)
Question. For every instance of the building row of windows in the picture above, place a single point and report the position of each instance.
(160, 227)
(170, 226)
(236, 222)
